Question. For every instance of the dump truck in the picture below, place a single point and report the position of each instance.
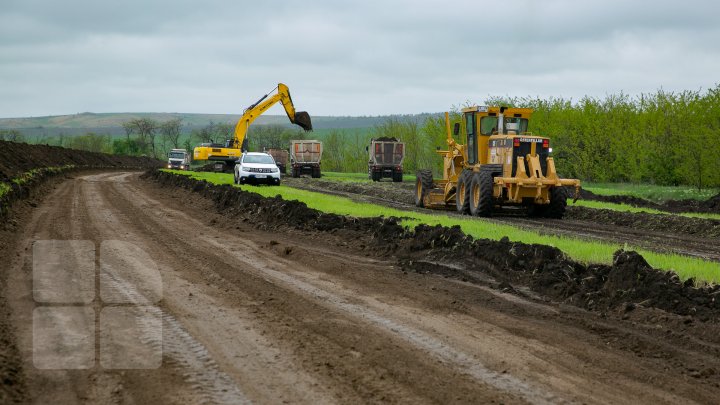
(225, 155)
(281, 158)
(305, 157)
(500, 165)
(178, 159)
(386, 159)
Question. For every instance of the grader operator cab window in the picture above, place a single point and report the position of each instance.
(515, 125)
(488, 125)
(511, 125)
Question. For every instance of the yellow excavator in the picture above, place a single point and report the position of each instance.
(225, 155)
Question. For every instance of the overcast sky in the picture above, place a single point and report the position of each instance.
(344, 57)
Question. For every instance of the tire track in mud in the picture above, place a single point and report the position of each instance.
(655, 241)
(433, 346)
(360, 311)
(449, 356)
(257, 258)
(197, 365)
(208, 382)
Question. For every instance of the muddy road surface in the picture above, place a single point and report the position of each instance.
(183, 305)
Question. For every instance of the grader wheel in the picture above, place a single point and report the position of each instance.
(481, 194)
(423, 184)
(462, 194)
(558, 202)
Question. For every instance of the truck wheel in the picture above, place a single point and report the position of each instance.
(462, 195)
(423, 183)
(481, 194)
(316, 172)
(397, 177)
(558, 202)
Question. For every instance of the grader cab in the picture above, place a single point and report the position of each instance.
(500, 165)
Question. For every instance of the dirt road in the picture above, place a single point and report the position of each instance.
(239, 314)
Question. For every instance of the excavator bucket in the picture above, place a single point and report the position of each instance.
(302, 118)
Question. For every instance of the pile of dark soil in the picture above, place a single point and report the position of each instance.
(711, 205)
(627, 283)
(708, 228)
(19, 158)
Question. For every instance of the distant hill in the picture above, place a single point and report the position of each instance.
(113, 121)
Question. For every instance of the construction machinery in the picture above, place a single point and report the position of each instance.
(500, 165)
(386, 159)
(225, 155)
(178, 159)
(305, 157)
(281, 158)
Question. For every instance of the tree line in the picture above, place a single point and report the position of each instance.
(665, 138)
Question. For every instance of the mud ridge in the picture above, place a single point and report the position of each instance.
(711, 205)
(607, 289)
(17, 159)
(703, 227)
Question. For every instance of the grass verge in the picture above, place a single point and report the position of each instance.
(4, 188)
(581, 250)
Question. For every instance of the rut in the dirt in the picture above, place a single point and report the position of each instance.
(628, 282)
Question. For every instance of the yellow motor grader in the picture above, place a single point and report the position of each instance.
(500, 165)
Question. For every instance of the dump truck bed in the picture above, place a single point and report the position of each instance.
(306, 151)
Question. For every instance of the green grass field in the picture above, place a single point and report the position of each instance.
(651, 192)
(578, 249)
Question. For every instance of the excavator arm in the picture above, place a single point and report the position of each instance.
(251, 113)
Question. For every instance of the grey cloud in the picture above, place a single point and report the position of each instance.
(343, 57)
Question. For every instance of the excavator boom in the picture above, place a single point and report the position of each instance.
(234, 147)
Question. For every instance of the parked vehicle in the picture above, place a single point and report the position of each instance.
(305, 157)
(386, 159)
(178, 159)
(281, 157)
(257, 167)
